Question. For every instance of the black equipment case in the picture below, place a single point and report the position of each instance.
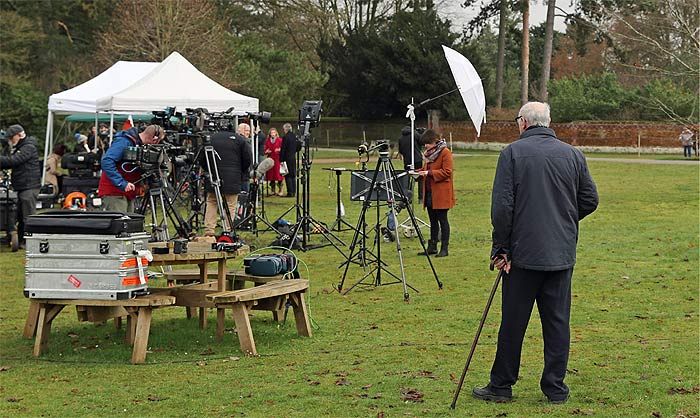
(88, 223)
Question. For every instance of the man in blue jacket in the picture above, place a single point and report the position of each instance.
(119, 181)
(542, 189)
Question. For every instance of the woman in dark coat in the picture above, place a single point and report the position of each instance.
(273, 148)
(438, 190)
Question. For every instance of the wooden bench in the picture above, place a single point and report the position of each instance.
(138, 310)
(236, 279)
(269, 296)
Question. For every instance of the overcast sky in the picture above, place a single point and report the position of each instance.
(459, 16)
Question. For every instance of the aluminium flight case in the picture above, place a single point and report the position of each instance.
(86, 255)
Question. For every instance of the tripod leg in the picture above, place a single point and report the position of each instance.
(476, 338)
(422, 243)
(391, 174)
(360, 223)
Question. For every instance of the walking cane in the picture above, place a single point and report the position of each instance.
(478, 333)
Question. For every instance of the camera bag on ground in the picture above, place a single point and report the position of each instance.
(284, 239)
(270, 264)
(86, 255)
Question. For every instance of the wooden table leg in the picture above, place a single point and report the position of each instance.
(131, 322)
(301, 315)
(203, 274)
(220, 323)
(245, 333)
(221, 275)
(47, 313)
(143, 328)
(118, 323)
(32, 319)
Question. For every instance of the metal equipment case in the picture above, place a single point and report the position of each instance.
(97, 265)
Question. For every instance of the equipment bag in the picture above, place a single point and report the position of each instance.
(270, 264)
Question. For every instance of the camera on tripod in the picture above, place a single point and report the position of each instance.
(164, 118)
(200, 120)
(310, 111)
(147, 157)
(261, 117)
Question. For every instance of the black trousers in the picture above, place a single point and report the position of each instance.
(290, 180)
(439, 225)
(26, 205)
(552, 292)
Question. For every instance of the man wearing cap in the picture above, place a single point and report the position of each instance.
(82, 143)
(26, 175)
(118, 183)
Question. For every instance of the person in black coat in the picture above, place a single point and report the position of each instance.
(234, 160)
(25, 178)
(405, 151)
(541, 191)
(290, 147)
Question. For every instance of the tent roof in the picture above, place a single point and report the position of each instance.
(176, 82)
(83, 98)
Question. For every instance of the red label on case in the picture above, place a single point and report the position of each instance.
(74, 281)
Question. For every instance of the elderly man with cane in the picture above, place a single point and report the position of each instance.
(542, 189)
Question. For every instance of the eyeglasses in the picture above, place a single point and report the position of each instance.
(517, 118)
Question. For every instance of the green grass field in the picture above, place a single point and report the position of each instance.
(635, 337)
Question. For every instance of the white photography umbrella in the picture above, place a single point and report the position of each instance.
(469, 86)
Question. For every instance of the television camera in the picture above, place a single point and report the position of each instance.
(83, 164)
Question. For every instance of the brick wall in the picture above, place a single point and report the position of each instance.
(613, 134)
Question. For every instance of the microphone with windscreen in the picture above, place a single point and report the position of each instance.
(263, 167)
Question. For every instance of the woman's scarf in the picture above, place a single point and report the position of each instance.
(430, 155)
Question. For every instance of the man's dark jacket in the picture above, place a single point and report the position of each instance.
(236, 157)
(541, 191)
(405, 148)
(290, 147)
(24, 162)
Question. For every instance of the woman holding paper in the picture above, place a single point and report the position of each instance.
(438, 190)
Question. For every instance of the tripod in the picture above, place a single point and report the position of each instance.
(158, 198)
(212, 169)
(411, 114)
(305, 222)
(339, 220)
(384, 165)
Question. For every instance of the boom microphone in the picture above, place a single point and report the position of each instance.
(263, 167)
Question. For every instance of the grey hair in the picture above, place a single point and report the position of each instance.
(287, 127)
(242, 126)
(536, 114)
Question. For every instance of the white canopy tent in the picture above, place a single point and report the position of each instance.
(83, 98)
(142, 87)
(176, 82)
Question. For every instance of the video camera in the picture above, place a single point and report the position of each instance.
(261, 117)
(381, 145)
(164, 118)
(147, 157)
(200, 119)
(83, 164)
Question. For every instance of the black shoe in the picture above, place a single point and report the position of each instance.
(558, 401)
(444, 249)
(487, 394)
(432, 248)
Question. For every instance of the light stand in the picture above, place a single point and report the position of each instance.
(306, 222)
(340, 222)
(406, 224)
(384, 165)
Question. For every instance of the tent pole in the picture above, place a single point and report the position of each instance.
(48, 143)
(111, 126)
(96, 132)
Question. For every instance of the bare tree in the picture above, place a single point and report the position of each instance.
(152, 30)
(547, 56)
(502, 26)
(525, 53)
